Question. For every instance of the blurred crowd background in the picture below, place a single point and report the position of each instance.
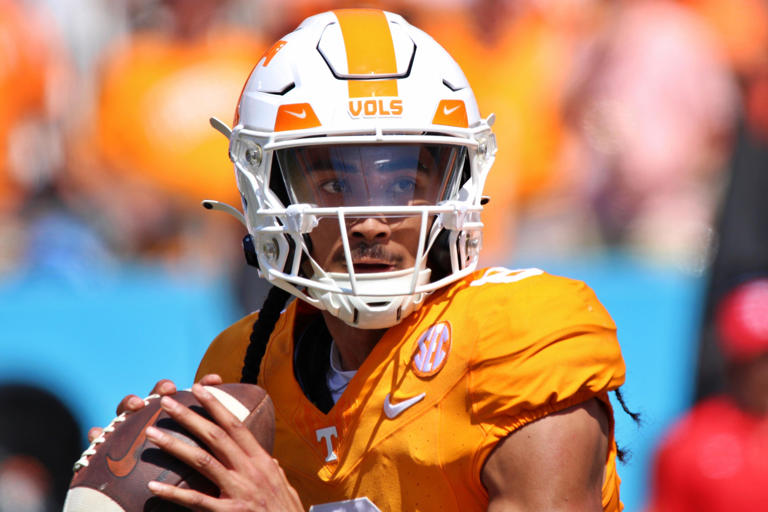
(632, 134)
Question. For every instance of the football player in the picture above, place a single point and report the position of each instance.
(404, 378)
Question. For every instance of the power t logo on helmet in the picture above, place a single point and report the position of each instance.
(360, 156)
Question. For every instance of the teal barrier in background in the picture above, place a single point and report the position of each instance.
(94, 341)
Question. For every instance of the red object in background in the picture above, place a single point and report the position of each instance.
(715, 459)
(756, 105)
(742, 321)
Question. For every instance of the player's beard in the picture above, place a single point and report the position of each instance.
(367, 253)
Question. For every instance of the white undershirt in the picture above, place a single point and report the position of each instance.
(336, 377)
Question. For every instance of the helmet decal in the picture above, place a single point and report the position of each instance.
(297, 116)
(375, 107)
(269, 54)
(451, 113)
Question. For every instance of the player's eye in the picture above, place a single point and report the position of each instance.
(335, 186)
(403, 186)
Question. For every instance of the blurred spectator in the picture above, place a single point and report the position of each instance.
(652, 113)
(281, 17)
(613, 118)
(35, 83)
(158, 90)
(741, 26)
(149, 155)
(743, 241)
(24, 58)
(519, 57)
(741, 29)
(716, 457)
(39, 442)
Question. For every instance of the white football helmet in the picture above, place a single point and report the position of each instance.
(358, 115)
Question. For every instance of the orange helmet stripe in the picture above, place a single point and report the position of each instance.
(366, 88)
(370, 51)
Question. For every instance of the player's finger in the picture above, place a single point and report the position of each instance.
(133, 403)
(94, 432)
(229, 422)
(164, 387)
(211, 379)
(194, 456)
(193, 500)
(130, 403)
(213, 436)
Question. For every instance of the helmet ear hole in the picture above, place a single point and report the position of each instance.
(249, 248)
(252, 259)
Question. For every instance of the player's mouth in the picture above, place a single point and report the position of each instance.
(369, 259)
(368, 267)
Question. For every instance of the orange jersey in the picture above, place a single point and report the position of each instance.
(482, 357)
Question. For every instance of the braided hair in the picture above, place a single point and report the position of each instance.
(262, 330)
(623, 454)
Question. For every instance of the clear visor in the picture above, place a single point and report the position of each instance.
(371, 174)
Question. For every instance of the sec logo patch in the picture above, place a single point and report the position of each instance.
(433, 346)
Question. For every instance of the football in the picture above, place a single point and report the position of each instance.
(112, 474)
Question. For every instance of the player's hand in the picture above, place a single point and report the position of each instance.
(248, 478)
(132, 403)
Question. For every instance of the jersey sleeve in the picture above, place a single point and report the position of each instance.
(226, 353)
(544, 343)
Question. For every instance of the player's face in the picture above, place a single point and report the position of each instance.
(370, 175)
(377, 244)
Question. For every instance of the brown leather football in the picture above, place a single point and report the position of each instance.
(112, 474)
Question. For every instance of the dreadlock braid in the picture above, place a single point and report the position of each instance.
(262, 330)
(621, 453)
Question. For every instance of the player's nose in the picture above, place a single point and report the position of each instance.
(371, 229)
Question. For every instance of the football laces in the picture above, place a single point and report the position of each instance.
(91, 450)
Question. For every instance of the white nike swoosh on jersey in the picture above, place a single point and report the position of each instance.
(448, 111)
(394, 410)
(300, 115)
